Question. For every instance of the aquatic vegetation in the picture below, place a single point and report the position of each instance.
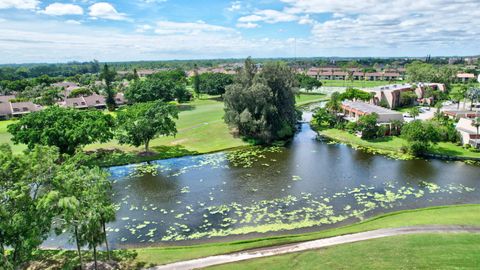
(145, 169)
(247, 157)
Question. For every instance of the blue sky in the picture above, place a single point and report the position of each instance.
(59, 31)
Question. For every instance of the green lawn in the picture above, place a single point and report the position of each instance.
(393, 145)
(359, 84)
(447, 215)
(304, 99)
(426, 251)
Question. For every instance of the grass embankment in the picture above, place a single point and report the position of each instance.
(426, 251)
(358, 84)
(201, 129)
(392, 145)
(446, 215)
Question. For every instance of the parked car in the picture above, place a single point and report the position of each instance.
(407, 115)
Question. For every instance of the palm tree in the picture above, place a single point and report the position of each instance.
(334, 104)
(414, 112)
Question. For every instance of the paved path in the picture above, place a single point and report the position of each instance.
(315, 244)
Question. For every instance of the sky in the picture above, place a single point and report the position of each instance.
(114, 30)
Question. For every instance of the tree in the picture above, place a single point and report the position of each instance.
(463, 91)
(355, 94)
(214, 83)
(407, 98)
(261, 106)
(420, 136)
(196, 81)
(25, 195)
(67, 129)
(476, 124)
(142, 122)
(108, 76)
(322, 118)
(306, 82)
(414, 112)
(135, 75)
(166, 86)
(367, 125)
(473, 94)
(334, 105)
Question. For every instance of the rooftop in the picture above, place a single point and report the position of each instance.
(368, 108)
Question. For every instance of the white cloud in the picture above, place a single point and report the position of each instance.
(268, 16)
(143, 28)
(59, 9)
(19, 4)
(104, 10)
(187, 28)
(235, 6)
(58, 42)
(73, 22)
(247, 25)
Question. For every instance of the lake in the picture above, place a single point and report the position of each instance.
(308, 185)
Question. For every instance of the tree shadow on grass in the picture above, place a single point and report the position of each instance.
(186, 107)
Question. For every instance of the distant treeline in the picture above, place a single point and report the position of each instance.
(24, 71)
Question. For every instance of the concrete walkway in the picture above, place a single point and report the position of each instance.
(309, 245)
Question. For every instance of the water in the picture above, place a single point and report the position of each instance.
(309, 185)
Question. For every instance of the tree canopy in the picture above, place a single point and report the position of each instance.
(41, 190)
(261, 106)
(306, 82)
(165, 85)
(142, 122)
(214, 83)
(64, 128)
(355, 94)
(420, 135)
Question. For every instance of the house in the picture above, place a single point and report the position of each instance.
(468, 132)
(94, 101)
(10, 109)
(353, 110)
(67, 87)
(465, 77)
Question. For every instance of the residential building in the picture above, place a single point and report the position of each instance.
(95, 101)
(352, 73)
(10, 109)
(453, 114)
(465, 77)
(390, 94)
(67, 87)
(353, 110)
(468, 132)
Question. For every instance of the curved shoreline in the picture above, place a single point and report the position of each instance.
(315, 244)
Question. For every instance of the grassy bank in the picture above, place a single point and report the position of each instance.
(392, 145)
(428, 251)
(447, 215)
